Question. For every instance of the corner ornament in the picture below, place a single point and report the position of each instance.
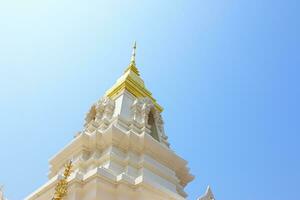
(61, 188)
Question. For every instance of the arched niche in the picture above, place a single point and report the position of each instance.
(152, 123)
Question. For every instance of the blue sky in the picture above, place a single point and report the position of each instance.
(226, 72)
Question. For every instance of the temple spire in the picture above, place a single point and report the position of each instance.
(132, 66)
(132, 60)
(132, 82)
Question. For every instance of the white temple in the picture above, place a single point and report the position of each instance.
(122, 153)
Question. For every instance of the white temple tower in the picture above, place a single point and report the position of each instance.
(123, 152)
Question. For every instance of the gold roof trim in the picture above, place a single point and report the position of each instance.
(135, 89)
(132, 82)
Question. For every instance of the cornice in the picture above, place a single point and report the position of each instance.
(126, 141)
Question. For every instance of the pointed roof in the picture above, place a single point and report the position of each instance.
(132, 65)
(208, 195)
(132, 82)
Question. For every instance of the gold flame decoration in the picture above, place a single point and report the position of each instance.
(61, 188)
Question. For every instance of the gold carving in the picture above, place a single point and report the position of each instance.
(61, 188)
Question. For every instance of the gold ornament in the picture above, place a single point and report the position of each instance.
(61, 188)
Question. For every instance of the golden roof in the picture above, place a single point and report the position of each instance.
(132, 82)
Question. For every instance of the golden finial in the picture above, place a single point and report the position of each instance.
(132, 60)
(61, 188)
(132, 66)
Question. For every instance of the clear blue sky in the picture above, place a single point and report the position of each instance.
(226, 72)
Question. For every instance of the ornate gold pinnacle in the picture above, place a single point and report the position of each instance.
(132, 60)
(132, 66)
(61, 188)
(132, 82)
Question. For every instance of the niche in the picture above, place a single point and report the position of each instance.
(153, 128)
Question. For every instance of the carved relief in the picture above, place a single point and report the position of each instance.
(146, 108)
(91, 115)
(137, 111)
(141, 109)
(160, 126)
(103, 109)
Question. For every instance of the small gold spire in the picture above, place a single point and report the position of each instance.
(132, 66)
(132, 83)
(132, 60)
(61, 188)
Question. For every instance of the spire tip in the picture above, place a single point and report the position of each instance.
(132, 60)
(132, 65)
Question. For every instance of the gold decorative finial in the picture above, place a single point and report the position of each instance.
(132, 65)
(132, 82)
(61, 188)
(132, 60)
